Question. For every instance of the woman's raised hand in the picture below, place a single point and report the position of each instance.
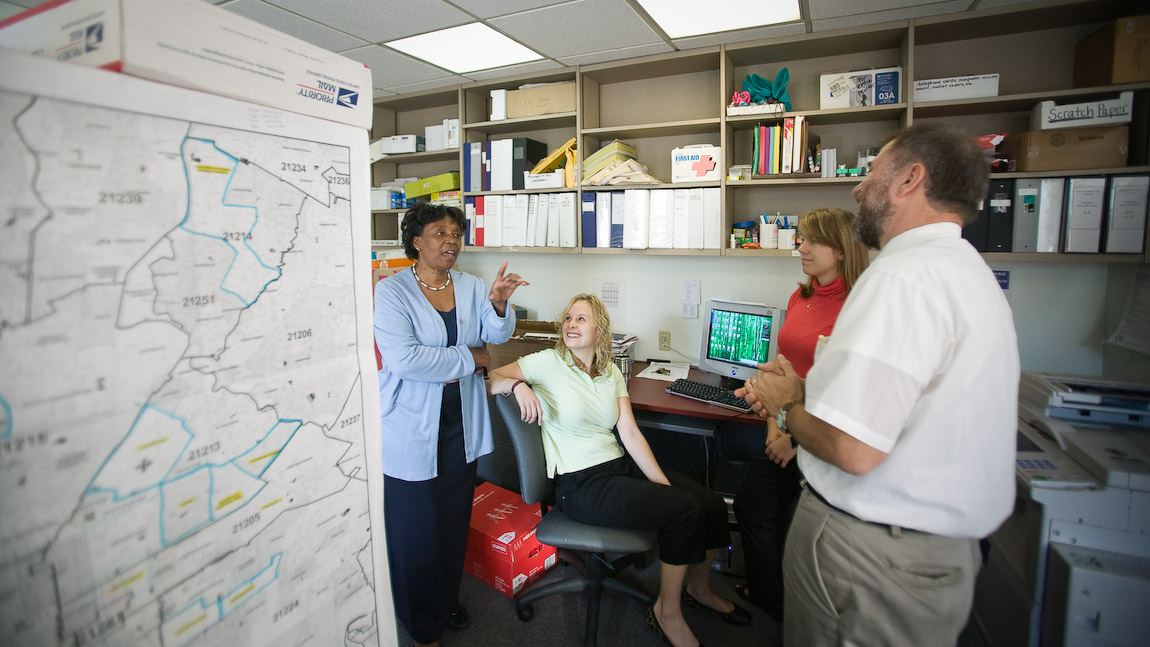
(504, 286)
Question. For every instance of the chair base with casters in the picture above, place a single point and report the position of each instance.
(572, 538)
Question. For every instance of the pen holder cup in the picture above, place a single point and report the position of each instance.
(624, 364)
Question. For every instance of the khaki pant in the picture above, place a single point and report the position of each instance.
(849, 582)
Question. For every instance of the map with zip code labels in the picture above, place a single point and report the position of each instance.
(183, 457)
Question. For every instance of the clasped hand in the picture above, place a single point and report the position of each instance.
(775, 385)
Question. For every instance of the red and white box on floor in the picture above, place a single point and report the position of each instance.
(501, 546)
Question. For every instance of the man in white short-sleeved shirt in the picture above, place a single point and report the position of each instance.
(906, 423)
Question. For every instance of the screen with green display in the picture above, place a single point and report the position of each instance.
(739, 337)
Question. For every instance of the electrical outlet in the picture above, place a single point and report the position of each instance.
(664, 340)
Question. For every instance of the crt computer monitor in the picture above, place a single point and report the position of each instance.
(737, 336)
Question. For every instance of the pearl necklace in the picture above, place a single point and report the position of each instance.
(428, 286)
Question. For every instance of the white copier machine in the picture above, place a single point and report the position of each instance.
(1071, 566)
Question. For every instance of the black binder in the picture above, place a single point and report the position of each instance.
(999, 216)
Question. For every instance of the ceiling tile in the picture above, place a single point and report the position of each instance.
(492, 8)
(757, 33)
(989, 4)
(618, 54)
(379, 20)
(823, 9)
(382, 94)
(511, 70)
(7, 10)
(390, 68)
(577, 27)
(932, 9)
(293, 25)
(429, 84)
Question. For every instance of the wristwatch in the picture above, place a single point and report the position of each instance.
(781, 416)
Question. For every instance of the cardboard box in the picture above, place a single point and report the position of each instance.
(541, 100)
(956, 87)
(1104, 112)
(501, 546)
(197, 45)
(522, 342)
(554, 180)
(1116, 53)
(1072, 148)
(433, 184)
(878, 87)
(696, 163)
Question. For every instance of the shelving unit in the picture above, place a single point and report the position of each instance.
(667, 101)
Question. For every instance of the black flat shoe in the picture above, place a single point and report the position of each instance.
(459, 619)
(736, 616)
(653, 623)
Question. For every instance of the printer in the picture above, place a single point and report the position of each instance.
(1071, 566)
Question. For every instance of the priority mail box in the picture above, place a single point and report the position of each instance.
(696, 163)
(877, 87)
(194, 44)
(501, 546)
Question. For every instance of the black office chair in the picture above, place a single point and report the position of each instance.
(570, 537)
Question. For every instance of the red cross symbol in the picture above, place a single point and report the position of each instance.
(705, 165)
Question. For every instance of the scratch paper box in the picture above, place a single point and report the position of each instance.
(696, 163)
(878, 87)
(501, 546)
(194, 44)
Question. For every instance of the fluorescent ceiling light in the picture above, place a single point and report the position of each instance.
(681, 18)
(466, 48)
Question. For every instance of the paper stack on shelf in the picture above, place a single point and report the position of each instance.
(612, 153)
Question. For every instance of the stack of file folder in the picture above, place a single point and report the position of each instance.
(607, 157)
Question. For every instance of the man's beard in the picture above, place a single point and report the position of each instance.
(867, 227)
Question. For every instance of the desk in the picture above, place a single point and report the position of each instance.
(657, 409)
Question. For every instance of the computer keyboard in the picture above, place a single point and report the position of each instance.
(715, 395)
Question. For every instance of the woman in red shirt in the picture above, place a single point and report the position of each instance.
(832, 260)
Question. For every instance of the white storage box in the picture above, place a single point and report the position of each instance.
(401, 144)
(1105, 112)
(877, 87)
(194, 44)
(956, 87)
(696, 163)
(381, 199)
(552, 180)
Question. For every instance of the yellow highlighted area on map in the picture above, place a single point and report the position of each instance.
(267, 455)
(229, 499)
(191, 624)
(188, 502)
(241, 594)
(153, 443)
(204, 168)
(128, 582)
(270, 504)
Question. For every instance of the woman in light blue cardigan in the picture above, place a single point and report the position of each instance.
(430, 326)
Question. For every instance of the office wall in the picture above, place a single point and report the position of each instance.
(1116, 360)
(1059, 308)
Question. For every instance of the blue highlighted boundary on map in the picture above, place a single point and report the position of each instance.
(223, 201)
(6, 421)
(201, 615)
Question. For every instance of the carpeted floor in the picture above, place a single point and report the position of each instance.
(559, 620)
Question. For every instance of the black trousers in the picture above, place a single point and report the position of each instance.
(689, 517)
(427, 523)
(764, 507)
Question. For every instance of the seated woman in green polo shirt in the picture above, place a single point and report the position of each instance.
(578, 394)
